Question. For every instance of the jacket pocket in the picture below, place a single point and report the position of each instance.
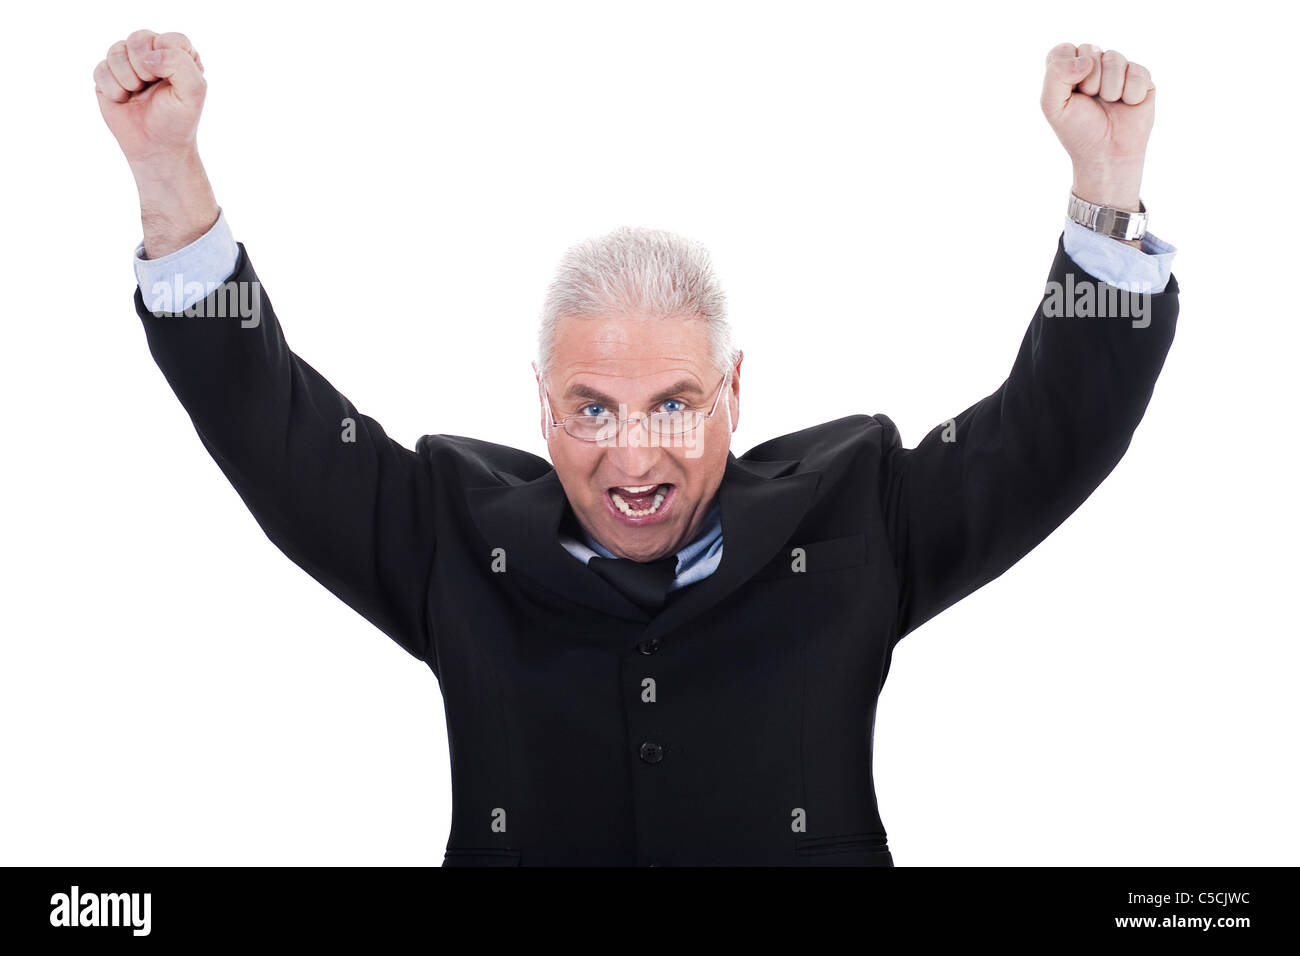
(811, 557)
(846, 849)
(484, 856)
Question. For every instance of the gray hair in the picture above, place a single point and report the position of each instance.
(637, 271)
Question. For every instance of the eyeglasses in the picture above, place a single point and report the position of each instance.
(606, 427)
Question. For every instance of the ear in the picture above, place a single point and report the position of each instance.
(734, 397)
(544, 418)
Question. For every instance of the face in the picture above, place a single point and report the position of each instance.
(648, 364)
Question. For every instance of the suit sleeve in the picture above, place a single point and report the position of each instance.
(982, 490)
(346, 503)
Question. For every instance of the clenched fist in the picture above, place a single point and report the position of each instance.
(150, 89)
(1101, 107)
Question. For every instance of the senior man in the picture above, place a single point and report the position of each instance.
(655, 652)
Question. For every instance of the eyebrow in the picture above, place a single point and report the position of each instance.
(677, 388)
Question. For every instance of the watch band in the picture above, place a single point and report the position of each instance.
(1107, 220)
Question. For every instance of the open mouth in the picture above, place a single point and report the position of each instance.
(640, 502)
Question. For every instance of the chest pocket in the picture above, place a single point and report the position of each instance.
(813, 557)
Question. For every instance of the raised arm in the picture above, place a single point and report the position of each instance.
(340, 498)
(984, 488)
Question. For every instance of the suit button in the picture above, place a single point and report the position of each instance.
(648, 647)
(651, 752)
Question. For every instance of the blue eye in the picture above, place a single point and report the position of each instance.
(599, 410)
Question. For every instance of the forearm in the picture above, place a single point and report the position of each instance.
(177, 204)
(346, 503)
(985, 487)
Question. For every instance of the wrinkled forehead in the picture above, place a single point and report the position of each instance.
(629, 356)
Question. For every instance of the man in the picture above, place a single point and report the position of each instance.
(654, 652)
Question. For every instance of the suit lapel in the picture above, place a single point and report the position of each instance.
(761, 503)
(524, 520)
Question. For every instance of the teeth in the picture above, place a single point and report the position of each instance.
(636, 489)
(634, 512)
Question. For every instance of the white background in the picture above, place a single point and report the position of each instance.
(882, 198)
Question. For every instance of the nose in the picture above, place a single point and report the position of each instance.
(633, 454)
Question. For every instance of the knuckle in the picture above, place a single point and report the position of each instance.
(1058, 52)
(116, 49)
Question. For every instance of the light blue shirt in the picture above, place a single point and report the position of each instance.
(178, 280)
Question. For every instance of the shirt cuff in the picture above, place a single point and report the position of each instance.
(1117, 263)
(177, 280)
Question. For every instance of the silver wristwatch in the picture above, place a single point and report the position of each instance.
(1107, 220)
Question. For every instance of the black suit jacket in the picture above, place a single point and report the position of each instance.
(736, 725)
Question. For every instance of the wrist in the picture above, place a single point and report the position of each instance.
(160, 170)
(1117, 187)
